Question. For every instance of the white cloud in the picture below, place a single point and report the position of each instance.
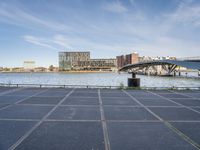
(186, 13)
(115, 7)
(38, 41)
(18, 16)
(62, 41)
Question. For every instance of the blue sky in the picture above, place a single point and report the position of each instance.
(38, 29)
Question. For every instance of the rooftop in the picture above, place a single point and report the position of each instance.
(98, 119)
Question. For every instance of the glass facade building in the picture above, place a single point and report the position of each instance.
(69, 60)
(82, 61)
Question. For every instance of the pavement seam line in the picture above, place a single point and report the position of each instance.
(184, 106)
(167, 124)
(19, 141)
(11, 91)
(31, 96)
(103, 121)
(23, 99)
(195, 98)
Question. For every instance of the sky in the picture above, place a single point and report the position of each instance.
(38, 29)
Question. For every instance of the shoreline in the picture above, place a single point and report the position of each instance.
(59, 72)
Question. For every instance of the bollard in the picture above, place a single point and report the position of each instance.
(133, 82)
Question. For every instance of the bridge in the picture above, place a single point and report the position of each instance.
(168, 65)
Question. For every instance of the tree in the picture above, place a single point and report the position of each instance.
(51, 67)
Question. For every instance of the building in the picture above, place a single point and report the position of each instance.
(150, 58)
(132, 58)
(98, 64)
(29, 65)
(82, 61)
(69, 60)
(120, 61)
(127, 59)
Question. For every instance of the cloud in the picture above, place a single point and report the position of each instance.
(186, 13)
(61, 40)
(38, 41)
(115, 7)
(18, 16)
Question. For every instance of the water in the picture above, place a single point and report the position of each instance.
(104, 79)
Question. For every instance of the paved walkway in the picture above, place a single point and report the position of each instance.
(99, 119)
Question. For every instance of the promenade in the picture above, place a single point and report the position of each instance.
(99, 119)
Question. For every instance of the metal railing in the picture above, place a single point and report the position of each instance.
(56, 86)
(96, 86)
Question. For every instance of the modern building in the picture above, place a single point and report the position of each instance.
(82, 61)
(150, 58)
(97, 64)
(69, 60)
(127, 59)
(28, 65)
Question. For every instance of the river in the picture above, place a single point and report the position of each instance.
(103, 79)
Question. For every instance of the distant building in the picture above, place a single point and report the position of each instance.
(1, 68)
(28, 65)
(97, 64)
(82, 61)
(69, 60)
(132, 58)
(121, 61)
(127, 59)
(149, 58)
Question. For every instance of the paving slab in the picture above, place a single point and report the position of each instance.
(119, 101)
(81, 101)
(11, 99)
(171, 113)
(84, 94)
(137, 91)
(188, 102)
(24, 112)
(173, 95)
(42, 100)
(110, 90)
(121, 94)
(196, 95)
(23, 93)
(197, 108)
(144, 95)
(156, 102)
(144, 136)
(65, 90)
(3, 105)
(161, 91)
(76, 124)
(187, 91)
(53, 94)
(190, 129)
(11, 131)
(87, 90)
(127, 113)
(65, 136)
(4, 89)
(76, 113)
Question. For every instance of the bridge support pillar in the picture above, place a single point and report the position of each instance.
(133, 82)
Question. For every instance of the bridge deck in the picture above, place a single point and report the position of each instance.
(91, 119)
